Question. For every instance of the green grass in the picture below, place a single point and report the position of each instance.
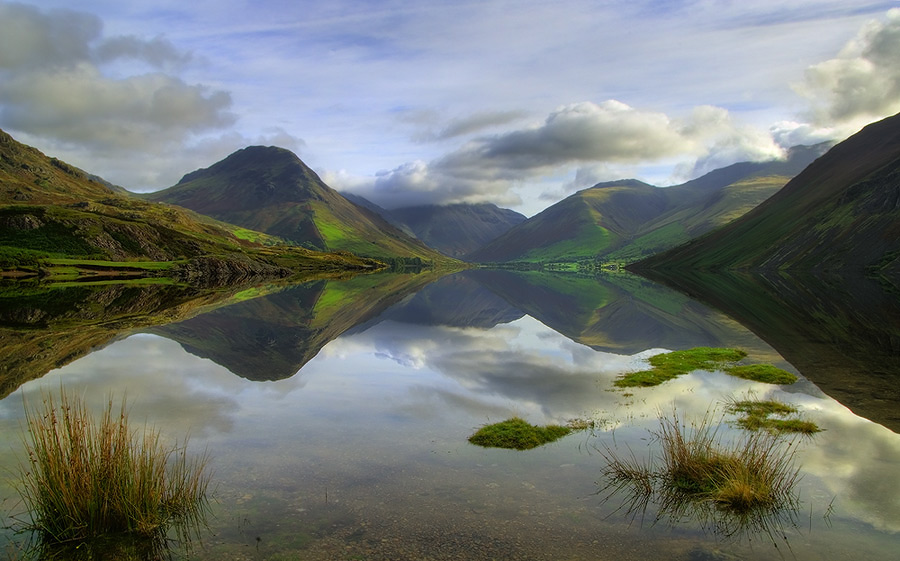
(590, 240)
(762, 373)
(755, 472)
(517, 434)
(141, 281)
(758, 415)
(652, 242)
(667, 366)
(88, 479)
(144, 265)
(249, 235)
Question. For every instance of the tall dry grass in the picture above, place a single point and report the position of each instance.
(87, 478)
(755, 471)
(738, 485)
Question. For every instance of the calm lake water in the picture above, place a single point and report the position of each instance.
(337, 415)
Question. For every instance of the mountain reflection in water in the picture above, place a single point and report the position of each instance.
(355, 444)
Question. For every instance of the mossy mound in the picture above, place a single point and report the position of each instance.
(758, 415)
(517, 434)
(667, 366)
(765, 373)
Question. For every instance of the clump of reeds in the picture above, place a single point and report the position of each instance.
(755, 471)
(740, 484)
(87, 478)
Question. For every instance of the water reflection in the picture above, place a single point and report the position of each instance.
(842, 332)
(364, 452)
(273, 336)
(179, 543)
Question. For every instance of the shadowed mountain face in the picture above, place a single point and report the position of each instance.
(456, 230)
(271, 190)
(629, 219)
(842, 213)
(835, 222)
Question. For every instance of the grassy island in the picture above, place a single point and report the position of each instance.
(666, 366)
(517, 434)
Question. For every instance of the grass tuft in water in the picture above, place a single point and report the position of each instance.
(87, 479)
(755, 472)
(517, 434)
(751, 476)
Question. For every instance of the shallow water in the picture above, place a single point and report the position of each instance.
(362, 454)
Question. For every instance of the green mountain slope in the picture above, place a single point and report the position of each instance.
(840, 213)
(54, 216)
(581, 226)
(271, 190)
(629, 219)
(458, 229)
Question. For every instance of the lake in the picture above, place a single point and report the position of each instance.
(337, 413)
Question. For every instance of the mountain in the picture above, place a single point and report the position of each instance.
(628, 219)
(380, 211)
(454, 230)
(56, 218)
(580, 226)
(842, 213)
(271, 190)
(457, 229)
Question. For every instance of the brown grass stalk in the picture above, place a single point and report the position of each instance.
(86, 479)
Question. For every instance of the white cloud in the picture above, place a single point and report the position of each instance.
(437, 93)
(55, 91)
(862, 83)
(587, 135)
(158, 52)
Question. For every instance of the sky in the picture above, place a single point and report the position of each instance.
(518, 103)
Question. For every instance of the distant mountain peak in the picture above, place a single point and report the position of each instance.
(269, 160)
(626, 219)
(621, 183)
(457, 229)
(271, 190)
